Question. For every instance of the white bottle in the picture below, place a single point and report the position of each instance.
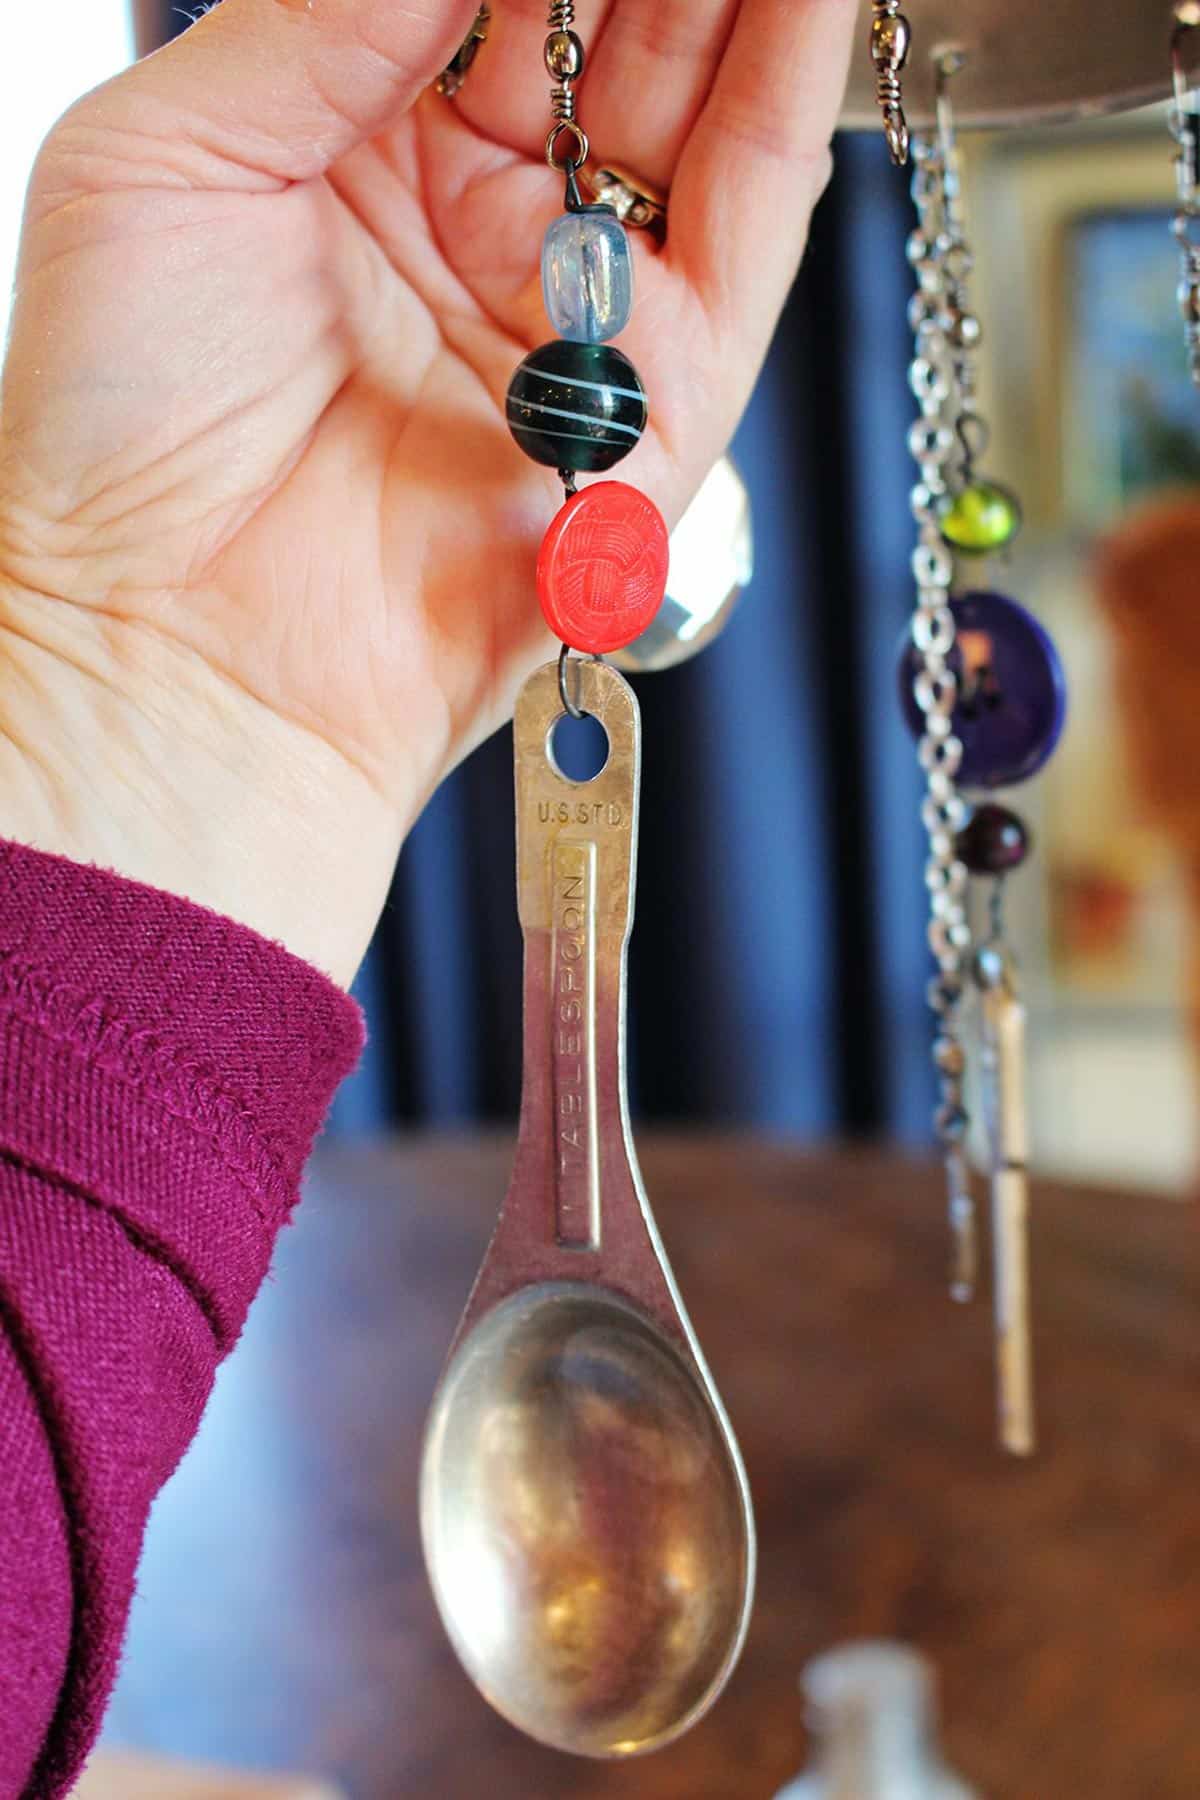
(871, 1713)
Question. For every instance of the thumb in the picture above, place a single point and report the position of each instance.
(262, 91)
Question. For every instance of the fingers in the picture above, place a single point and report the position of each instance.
(507, 96)
(650, 78)
(650, 65)
(758, 160)
(266, 91)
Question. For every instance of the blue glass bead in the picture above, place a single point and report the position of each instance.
(1012, 694)
(577, 406)
(587, 275)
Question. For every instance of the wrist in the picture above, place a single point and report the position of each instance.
(123, 748)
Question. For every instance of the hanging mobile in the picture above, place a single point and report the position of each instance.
(982, 690)
(584, 1508)
(1184, 118)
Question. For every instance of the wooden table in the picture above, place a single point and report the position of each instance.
(284, 1619)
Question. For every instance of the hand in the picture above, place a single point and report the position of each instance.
(266, 546)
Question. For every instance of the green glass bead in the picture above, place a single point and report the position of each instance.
(577, 406)
(983, 518)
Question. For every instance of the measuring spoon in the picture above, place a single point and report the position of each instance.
(584, 1507)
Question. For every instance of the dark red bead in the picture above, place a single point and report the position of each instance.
(994, 841)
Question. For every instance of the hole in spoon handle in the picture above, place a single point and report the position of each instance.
(576, 863)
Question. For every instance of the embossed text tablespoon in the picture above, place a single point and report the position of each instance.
(584, 1508)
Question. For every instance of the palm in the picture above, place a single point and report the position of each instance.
(341, 474)
(253, 426)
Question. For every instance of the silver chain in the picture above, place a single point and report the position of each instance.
(962, 327)
(939, 372)
(564, 57)
(1184, 120)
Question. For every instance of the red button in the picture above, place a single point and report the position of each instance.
(602, 572)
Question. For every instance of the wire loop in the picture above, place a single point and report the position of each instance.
(571, 706)
(563, 165)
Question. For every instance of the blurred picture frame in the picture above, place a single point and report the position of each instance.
(1076, 274)
(1131, 419)
(1079, 268)
(1084, 377)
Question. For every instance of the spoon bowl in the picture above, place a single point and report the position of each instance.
(584, 1523)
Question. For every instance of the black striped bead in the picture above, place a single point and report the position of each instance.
(577, 406)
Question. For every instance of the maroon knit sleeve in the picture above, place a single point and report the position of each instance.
(163, 1072)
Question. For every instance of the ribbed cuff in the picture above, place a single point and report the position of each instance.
(148, 1045)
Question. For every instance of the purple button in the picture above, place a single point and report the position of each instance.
(1012, 695)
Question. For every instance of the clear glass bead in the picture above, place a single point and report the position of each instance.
(587, 275)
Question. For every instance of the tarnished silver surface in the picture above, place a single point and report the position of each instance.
(584, 1508)
(1029, 61)
(712, 564)
(586, 1522)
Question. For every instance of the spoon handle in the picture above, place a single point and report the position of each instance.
(576, 861)
(576, 1209)
(1003, 1065)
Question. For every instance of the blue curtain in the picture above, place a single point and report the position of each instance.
(778, 961)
